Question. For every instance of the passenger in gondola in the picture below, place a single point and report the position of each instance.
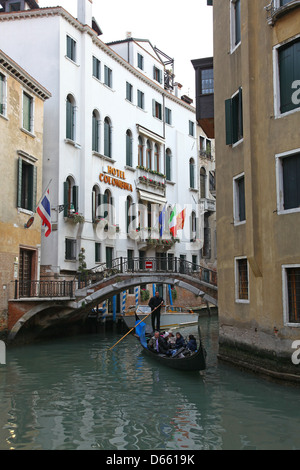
(157, 344)
(180, 342)
(192, 343)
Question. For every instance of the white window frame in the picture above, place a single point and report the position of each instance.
(4, 114)
(74, 61)
(32, 110)
(276, 80)
(98, 68)
(236, 201)
(285, 299)
(236, 281)
(110, 72)
(279, 182)
(233, 46)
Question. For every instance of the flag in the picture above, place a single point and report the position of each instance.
(180, 220)
(172, 222)
(161, 219)
(44, 211)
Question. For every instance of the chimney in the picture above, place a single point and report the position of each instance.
(177, 88)
(85, 11)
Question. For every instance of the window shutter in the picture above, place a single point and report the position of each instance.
(228, 121)
(241, 131)
(242, 208)
(70, 119)
(291, 181)
(168, 167)
(128, 150)
(34, 188)
(75, 197)
(93, 206)
(153, 108)
(19, 188)
(105, 202)
(66, 198)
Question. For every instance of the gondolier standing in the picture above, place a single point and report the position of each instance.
(154, 302)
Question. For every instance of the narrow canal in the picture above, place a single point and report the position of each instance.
(73, 394)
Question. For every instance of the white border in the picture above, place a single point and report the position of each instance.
(279, 182)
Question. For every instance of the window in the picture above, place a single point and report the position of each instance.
(207, 81)
(206, 249)
(70, 249)
(288, 181)
(239, 206)
(95, 131)
(242, 282)
(140, 61)
(194, 262)
(107, 137)
(97, 252)
(291, 294)
(235, 23)
(140, 99)
(129, 148)
(202, 183)
(27, 185)
(192, 173)
(191, 128)
(168, 116)
(70, 118)
(234, 118)
(168, 165)
(109, 256)
(157, 74)
(130, 214)
(70, 197)
(212, 181)
(16, 6)
(157, 109)
(96, 202)
(96, 68)
(109, 214)
(289, 76)
(129, 92)
(193, 227)
(140, 152)
(2, 94)
(149, 155)
(27, 112)
(71, 48)
(108, 76)
(156, 158)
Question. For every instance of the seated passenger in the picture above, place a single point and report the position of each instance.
(180, 342)
(192, 343)
(157, 344)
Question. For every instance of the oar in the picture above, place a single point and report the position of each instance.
(134, 327)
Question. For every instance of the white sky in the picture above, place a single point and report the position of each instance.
(181, 29)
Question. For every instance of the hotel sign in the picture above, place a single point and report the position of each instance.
(116, 178)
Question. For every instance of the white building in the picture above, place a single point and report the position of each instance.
(113, 134)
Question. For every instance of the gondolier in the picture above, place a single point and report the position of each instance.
(156, 302)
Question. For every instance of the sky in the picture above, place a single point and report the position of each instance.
(181, 29)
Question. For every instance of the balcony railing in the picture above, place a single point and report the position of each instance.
(44, 289)
(151, 180)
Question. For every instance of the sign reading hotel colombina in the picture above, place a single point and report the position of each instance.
(115, 177)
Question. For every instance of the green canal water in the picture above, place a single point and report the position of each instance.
(73, 394)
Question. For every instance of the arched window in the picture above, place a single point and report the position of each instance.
(202, 183)
(148, 155)
(193, 226)
(168, 165)
(156, 157)
(128, 148)
(107, 137)
(70, 118)
(70, 197)
(140, 152)
(95, 203)
(95, 131)
(192, 173)
(109, 213)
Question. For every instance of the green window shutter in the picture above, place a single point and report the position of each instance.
(107, 139)
(168, 167)
(241, 130)
(128, 150)
(26, 112)
(228, 122)
(70, 120)
(19, 187)
(66, 198)
(93, 206)
(75, 190)
(153, 108)
(2, 82)
(95, 136)
(34, 189)
(289, 71)
(192, 176)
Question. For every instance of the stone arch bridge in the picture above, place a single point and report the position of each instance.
(42, 305)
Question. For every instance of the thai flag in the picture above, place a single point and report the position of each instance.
(44, 211)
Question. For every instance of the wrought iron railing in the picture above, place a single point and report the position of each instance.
(44, 289)
(148, 265)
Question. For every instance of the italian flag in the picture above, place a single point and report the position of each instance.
(176, 222)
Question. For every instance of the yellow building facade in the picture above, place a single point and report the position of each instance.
(21, 158)
(257, 118)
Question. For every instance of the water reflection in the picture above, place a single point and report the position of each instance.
(75, 394)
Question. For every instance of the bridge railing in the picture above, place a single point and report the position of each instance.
(44, 289)
(147, 265)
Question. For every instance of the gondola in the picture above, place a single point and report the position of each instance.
(194, 362)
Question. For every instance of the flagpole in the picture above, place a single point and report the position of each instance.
(37, 205)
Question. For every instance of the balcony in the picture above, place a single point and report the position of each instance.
(276, 11)
(208, 205)
(149, 238)
(150, 180)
